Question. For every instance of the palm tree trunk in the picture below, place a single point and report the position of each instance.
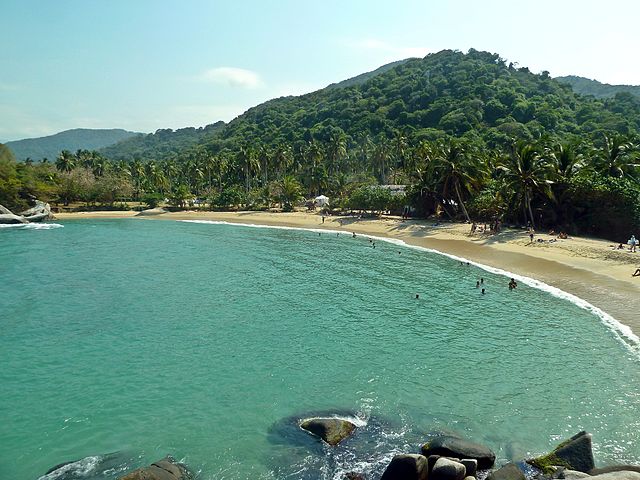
(464, 209)
(528, 202)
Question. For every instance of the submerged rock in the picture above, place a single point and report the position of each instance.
(575, 453)
(406, 467)
(165, 469)
(509, 472)
(449, 446)
(331, 430)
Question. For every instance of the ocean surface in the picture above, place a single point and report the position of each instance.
(125, 340)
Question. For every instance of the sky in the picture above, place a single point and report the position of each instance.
(143, 65)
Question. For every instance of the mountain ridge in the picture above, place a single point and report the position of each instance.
(587, 86)
(73, 139)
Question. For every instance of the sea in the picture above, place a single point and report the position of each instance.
(126, 340)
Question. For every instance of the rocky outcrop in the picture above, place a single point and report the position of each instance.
(406, 467)
(615, 468)
(509, 472)
(575, 454)
(41, 211)
(449, 446)
(447, 469)
(331, 430)
(165, 469)
(151, 212)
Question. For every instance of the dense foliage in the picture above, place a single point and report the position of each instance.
(161, 145)
(466, 136)
(80, 138)
(585, 86)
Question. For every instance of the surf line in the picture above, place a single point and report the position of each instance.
(621, 331)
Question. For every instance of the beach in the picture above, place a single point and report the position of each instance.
(591, 269)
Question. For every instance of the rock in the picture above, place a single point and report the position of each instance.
(567, 474)
(458, 448)
(406, 467)
(446, 469)
(471, 465)
(509, 472)
(331, 430)
(575, 454)
(151, 212)
(615, 468)
(9, 218)
(353, 476)
(431, 461)
(470, 477)
(165, 469)
(618, 475)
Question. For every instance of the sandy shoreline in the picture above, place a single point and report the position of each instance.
(587, 268)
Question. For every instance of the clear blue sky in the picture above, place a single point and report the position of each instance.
(144, 65)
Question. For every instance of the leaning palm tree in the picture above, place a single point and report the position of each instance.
(526, 173)
(456, 170)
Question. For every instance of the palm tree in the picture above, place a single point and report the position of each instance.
(290, 192)
(526, 173)
(249, 164)
(282, 158)
(336, 152)
(66, 161)
(455, 169)
(380, 158)
(615, 158)
(399, 147)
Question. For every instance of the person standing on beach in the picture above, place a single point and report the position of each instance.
(531, 236)
(322, 218)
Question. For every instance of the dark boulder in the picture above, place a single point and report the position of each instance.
(575, 454)
(447, 469)
(165, 469)
(509, 472)
(406, 467)
(331, 430)
(449, 446)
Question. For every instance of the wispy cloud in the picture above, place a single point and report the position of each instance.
(232, 76)
(389, 50)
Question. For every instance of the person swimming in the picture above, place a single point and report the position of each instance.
(513, 284)
(483, 291)
(478, 284)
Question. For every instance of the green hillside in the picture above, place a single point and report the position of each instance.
(585, 86)
(77, 139)
(475, 95)
(163, 144)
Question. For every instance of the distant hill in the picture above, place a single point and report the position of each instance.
(72, 140)
(162, 144)
(585, 86)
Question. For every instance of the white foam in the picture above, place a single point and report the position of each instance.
(621, 331)
(80, 468)
(31, 226)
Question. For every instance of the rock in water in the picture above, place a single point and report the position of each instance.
(446, 469)
(509, 472)
(448, 446)
(331, 430)
(575, 454)
(165, 469)
(406, 467)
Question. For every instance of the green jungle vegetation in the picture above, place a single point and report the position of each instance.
(585, 86)
(49, 147)
(468, 135)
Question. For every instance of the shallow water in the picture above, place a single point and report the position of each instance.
(208, 342)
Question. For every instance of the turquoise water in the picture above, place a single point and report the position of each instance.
(208, 342)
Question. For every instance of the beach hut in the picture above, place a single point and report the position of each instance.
(321, 201)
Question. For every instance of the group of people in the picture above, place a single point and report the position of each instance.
(487, 227)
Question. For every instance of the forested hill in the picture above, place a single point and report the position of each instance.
(474, 95)
(77, 139)
(162, 144)
(585, 86)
